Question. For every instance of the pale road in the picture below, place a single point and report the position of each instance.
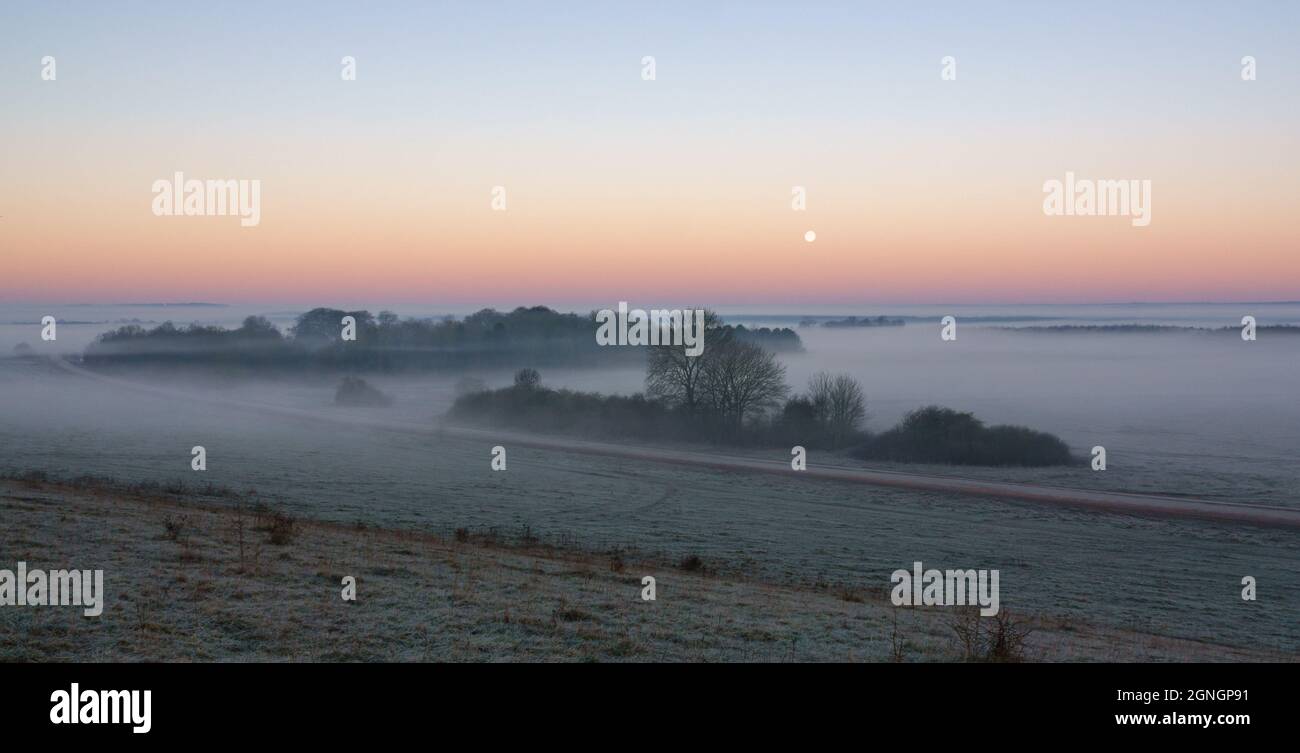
(1106, 501)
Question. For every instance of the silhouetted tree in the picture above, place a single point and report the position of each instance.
(676, 378)
(326, 325)
(838, 404)
(258, 327)
(740, 379)
(527, 378)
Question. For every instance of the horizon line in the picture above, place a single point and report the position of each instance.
(181, 304)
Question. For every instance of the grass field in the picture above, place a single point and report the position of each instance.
(180, 586)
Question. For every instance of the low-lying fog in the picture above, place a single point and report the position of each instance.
(1181, 412)
(1200, 414)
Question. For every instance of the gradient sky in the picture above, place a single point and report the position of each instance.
(673, 191)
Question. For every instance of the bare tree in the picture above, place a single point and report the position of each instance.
(838, 404)
(742, 378)
(527, 378)
(676, 378)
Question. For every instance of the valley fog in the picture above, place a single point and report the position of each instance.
(1197, 414)
(1178, 411)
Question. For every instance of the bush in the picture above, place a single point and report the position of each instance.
(176, 528)
(356, 391)
(941, 435)
(535, 408)
(927, 435)
(1000, 638)
(283, 529)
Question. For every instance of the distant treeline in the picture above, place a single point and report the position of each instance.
(853, 321)
(488, 338)
(828, 416)
(1281, 329)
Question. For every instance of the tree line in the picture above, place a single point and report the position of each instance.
(386, 342)
(736, 393)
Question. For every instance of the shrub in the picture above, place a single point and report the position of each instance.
(540, 409)
(927, 435)
(527, 378)
(356, 391)
(999, 638)
(175, 527)
(283, 529)
(941, 435)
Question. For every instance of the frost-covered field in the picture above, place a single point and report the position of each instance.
(179, 586)
(1172, 578)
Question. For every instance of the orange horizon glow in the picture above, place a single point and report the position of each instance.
(713, 243)
(675, 190)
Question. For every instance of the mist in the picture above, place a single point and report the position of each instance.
(1180, 413)
(1173, 408)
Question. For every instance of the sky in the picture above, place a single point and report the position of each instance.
(671, 191)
